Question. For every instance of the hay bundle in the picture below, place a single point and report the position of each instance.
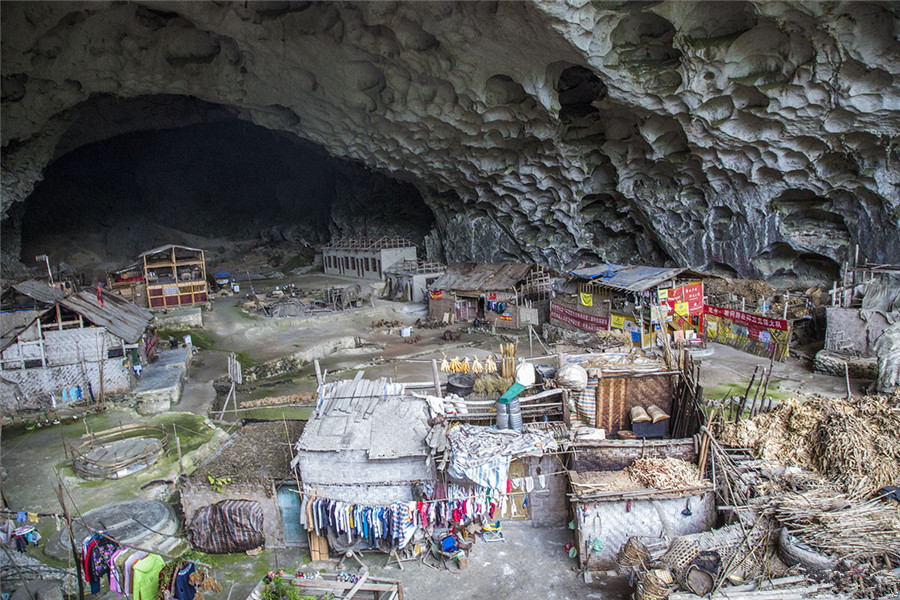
(855, 442)
(664, 473)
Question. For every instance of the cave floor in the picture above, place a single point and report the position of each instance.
(532, 562)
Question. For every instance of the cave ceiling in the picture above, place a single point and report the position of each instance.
(755, 138)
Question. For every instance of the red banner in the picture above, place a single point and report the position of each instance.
(578, 319)
(436, 294)
(749, 320)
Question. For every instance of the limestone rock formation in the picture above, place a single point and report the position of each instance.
(756, 138)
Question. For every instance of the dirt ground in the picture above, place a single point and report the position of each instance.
(531, 564)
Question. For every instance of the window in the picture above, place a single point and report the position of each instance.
(115, 353)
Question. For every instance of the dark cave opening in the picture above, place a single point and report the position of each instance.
(208, 183)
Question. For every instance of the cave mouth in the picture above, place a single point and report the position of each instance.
(212, 185)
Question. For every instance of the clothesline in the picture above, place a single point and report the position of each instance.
(473, 497)
(138, 548)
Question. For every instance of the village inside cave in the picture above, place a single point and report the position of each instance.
(405, 300)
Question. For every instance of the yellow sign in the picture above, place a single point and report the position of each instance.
(617, 322)
(663, 294)
(587, 299)
(681, 308)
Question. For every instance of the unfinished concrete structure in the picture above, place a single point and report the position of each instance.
(79, 345)
(366, 258)
(409, 280)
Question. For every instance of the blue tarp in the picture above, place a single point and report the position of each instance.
(631, 278)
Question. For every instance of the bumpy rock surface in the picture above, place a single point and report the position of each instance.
(758, 138)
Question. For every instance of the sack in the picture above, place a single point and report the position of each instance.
(572, 377)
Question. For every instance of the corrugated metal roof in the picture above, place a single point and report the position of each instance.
(630, 278)
(482, 276)
(121, 318)
(168, 247)
(14, 323)
(40, 291)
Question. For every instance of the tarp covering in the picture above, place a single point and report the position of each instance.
(882, 298)
(483, 454)
(629, 278)
(228, 526)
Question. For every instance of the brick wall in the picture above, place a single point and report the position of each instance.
(38, 381)
(195, 497)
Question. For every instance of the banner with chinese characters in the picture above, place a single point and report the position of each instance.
(436, 294)
(752, 333)
(684, 300)
(577, 318)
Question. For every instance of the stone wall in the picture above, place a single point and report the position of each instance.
(195, 497)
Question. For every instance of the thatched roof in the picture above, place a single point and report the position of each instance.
(256, 452)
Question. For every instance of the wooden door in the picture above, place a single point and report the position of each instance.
(515, 505)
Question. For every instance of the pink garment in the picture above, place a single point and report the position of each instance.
(115, 584)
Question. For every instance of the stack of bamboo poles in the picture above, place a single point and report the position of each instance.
(508, 366)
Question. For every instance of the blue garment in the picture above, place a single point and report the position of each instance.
(21, 517)
(183, 588)
(78, 390)
(65, 396)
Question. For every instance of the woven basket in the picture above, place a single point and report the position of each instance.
(633, 553)
(655, 584)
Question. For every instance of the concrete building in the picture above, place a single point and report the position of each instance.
(409, 280)
(366, 258)
(75, 344)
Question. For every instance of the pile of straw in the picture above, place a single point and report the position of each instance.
(664, 473)
(835, 524)
(855, 442)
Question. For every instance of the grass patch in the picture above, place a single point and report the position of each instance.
(199, 337)
(275, 414)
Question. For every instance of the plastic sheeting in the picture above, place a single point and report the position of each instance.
(228, 526)
(483, 454)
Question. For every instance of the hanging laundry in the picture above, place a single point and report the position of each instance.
(32, 517)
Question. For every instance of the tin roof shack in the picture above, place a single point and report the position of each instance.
(616, 492)
(510, 295)
(77, 343)
(364, 447)
(175, 276)
(635, 299)
(365, 258)
(409, 280)
(253, 465)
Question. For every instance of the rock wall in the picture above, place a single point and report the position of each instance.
(756, 138)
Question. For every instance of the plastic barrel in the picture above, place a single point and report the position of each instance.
(502, 416)
(515, 415)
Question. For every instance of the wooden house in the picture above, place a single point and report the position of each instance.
(76, 343)
(510, 295)
(635, 299)
(174, 276)
(365, 258)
